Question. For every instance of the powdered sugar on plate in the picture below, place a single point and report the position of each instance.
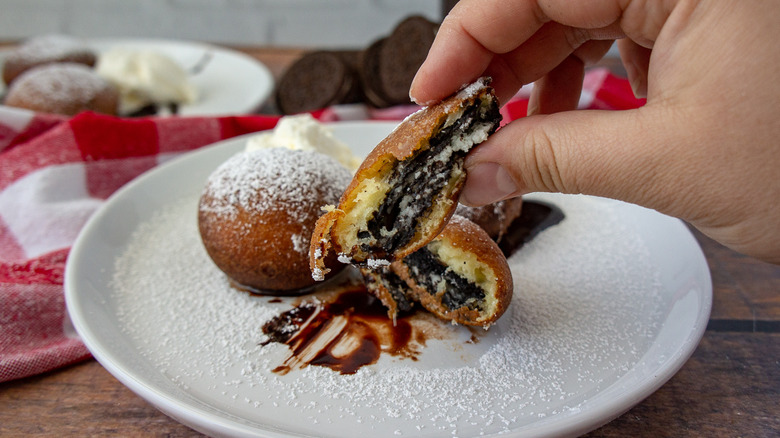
(585, 311)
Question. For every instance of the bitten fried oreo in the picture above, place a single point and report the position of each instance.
(407, 188)
(460, 276)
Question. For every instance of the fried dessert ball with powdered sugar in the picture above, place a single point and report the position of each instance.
(257, 213)
(46, 49)
(62, 88)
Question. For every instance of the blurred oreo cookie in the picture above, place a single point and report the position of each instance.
(370, 75)
(402, 54)
(379, 75)
(317, 80)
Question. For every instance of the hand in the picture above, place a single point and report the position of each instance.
(705, 147)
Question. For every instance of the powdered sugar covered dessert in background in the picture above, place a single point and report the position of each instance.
(257, 213)
(62, 88)
(407, 188)
(45, 49)
(145, 77)
(304, 132)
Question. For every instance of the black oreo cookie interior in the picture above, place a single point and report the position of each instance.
(429, 272)
(390, 288)
(415, 182)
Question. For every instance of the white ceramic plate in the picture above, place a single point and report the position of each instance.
(229, 83)
(609, 304)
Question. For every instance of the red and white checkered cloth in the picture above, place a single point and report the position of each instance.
(56, 171)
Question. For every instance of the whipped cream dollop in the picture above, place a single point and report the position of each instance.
(304, 132)
(145, 77)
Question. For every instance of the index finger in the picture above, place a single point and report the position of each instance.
(476, 32)
(466, 41)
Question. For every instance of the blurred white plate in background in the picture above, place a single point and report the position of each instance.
(228, 82)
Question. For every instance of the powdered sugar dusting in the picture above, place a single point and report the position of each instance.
(474, 88)
(377, 263)
(467, 91)
(583, 315)
(269, 180)
(300, 243)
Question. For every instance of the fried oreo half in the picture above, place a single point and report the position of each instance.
(407, 188)
(461, 276)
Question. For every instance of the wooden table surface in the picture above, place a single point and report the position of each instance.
(729, 387)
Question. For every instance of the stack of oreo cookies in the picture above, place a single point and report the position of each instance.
(379, 75)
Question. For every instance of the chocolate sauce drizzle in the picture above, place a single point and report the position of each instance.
(352, 329)
(345, 334)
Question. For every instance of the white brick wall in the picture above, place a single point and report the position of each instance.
(307, 23)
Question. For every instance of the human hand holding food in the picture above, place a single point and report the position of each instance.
(704, 148)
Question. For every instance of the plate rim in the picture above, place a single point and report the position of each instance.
(190, 413)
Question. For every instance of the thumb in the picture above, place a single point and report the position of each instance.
(717, 173)
(602, 153)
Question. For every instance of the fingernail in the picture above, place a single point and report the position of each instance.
(413, 91)
(635, 79)
(487, 183)
(413, 98)
(533, 102)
